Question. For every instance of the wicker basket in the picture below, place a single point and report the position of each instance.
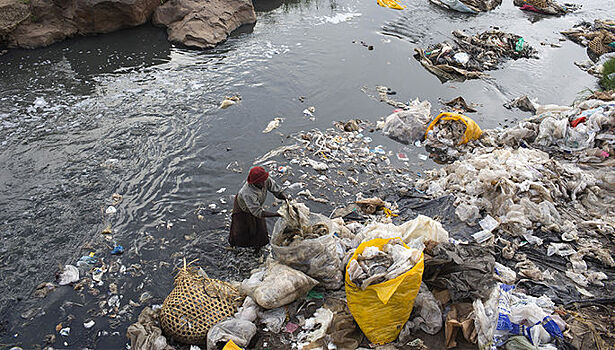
(195, 304)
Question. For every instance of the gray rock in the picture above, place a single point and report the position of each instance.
(203, 24)
(49, 21)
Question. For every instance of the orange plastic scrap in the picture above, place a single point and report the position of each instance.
(472, 132)
(231, 346)
(390, 4)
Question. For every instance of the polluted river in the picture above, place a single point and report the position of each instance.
(118, 140)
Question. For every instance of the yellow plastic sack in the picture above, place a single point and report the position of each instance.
(390, 4)
(231, 346)
(382, 309)
(473, 131)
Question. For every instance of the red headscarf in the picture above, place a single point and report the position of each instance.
(257, 175)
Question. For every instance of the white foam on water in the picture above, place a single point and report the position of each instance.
(338, 18)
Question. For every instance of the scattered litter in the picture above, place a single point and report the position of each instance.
(468, 6)
(275, 123)
(460, 105)
(547, 7)
(229, 101)
(393, 4)
(117, 250)
(597, 37)
(316, 326)
(110, 210)
(485, 51)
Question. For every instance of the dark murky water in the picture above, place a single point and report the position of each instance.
(129, 113)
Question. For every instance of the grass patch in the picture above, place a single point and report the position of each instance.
(606, 82)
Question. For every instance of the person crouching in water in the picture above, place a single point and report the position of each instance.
(248, 225)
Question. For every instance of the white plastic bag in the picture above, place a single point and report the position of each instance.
(316, 257)
(239, 331)
(273, 319)
(413, 232)
(69, 275)
(280, 285)
(248, 311)
(408, 126)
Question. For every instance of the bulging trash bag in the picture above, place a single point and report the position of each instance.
(382, 309)
(407, 126)
(317, 257)
(239, 331)
(277, 285)
(472, 132)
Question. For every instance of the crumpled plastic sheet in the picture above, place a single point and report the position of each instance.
(239, 331)
(426, 315)
(344, 332)
(316, 326)
(248, 311)
(273, 319)
(465, 270)
(69, 275)
(146, 333)
(413, 232)
(559, 132)
(407, 126)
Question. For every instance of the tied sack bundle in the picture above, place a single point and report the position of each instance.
(195, 304)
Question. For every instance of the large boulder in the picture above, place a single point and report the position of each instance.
(49, 21)
(205, 23)
(104, 16)
(12, 13)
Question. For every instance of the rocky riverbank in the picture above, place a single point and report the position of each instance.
(38, 23)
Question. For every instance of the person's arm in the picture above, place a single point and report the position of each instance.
(254, 207)
(275, 189)
(270, 214)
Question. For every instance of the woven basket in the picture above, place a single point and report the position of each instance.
(599, 45)
(195, 304)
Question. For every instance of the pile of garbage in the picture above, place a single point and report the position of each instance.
(547, 7)
(468, 56)
(584, 131)
(598, 37)
(468, 6)
(535, 251)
